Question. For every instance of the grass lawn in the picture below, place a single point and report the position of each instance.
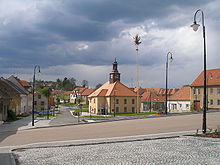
(80, 110)
(97, 117)
(43, 117)
(68, 104)
(102, 119)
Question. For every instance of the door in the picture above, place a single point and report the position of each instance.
(197, 105)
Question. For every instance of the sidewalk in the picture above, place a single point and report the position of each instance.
(24, 123)
(7, 129)
(166, 148)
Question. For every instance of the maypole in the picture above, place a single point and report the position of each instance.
(137, 43)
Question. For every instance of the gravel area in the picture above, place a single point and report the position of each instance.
(182, 150)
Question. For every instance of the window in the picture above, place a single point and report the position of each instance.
(125, 101)
(39, 96)
(180, 105)
(125, 109)
(133, 109)
(211, 102)
(173, 106)
(117, 109)
(117, 101)
(218, 91)
(42, 102)
(211, 91)
(133, 101)
(198, 91)
(218, 102)
(35, 102)
(187, 106)
(194, 91)
(94, 100)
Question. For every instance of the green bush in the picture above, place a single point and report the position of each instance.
(192, 107)
(11, 116)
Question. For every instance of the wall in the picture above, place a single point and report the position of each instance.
(108, 103)
(211, 97)
(4, 106)
(180, 106)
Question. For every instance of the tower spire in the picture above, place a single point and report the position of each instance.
(114, 75)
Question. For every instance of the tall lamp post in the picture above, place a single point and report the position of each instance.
(36, 67)
(195, 27)
(171, 58)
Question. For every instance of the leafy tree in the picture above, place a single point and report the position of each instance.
(46, 92)
(79, 100)
(65, 97)
(98, 85)
(73, 81)
(85, 83)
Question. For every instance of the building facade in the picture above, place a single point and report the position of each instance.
(114, 97)
(180, 102)
(213, 90)
(40, 101)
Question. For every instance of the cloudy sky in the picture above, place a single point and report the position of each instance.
(81, 39)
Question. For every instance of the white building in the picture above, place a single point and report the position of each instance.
(180, 102)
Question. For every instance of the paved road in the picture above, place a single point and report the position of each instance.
(112, 129)
(64, 117)
(178, 151)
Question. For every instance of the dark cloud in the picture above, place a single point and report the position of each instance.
(49, 32)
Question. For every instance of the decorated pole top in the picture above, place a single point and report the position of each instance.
(137, 41)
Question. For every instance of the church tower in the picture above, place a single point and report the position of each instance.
(114, 75)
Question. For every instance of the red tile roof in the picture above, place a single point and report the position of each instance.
(114, 89)
(80, 90)
(23, 82)
(87, 92)
(68, 92)
(160, 91)
(183, 94)
(150, 96)
(212, 75)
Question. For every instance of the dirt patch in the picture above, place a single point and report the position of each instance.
(209, 135)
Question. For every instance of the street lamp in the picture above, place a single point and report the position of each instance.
(195, 27)
(36, 66)
(171, 59)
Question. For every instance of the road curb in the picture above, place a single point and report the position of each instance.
(102, 140)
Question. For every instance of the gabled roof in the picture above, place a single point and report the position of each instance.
(87, 92)
(17, 84)
(68, 92)
(79, 90)
(14, 86)
(6, 90)
(158, 91)
(150, 96)
(212, 75)
(113, 89)
(182, 95)
(24, 83)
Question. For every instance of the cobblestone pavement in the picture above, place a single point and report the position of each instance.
(182, 150)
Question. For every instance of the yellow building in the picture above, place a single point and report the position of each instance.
(113, 97)
(213, 90)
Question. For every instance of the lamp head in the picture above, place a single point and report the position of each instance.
(195, 26)
(171, 58)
